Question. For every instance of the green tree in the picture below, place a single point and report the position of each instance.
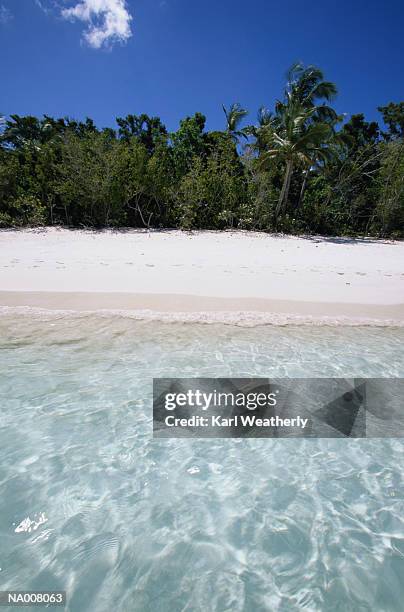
(88, 182)
(188, 142)
(358, 133)
(351, 176)
(297, 171)
(393, 117)
(302, 128)
(211, 193)
(29, 132)
(147, 130)
(261, 130)
(297, 141)
(307, 87)
(234, 116)
(390, 205)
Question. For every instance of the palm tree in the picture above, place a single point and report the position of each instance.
(294, 138)
(306, 86)
(260, 131)
(301, 130)
(234, 116)
(20, 132)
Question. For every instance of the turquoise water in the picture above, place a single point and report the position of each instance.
(90, 503)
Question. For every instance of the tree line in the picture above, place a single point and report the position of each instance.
(300, 168)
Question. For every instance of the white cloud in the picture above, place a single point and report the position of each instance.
(5, 14)
(108, 21)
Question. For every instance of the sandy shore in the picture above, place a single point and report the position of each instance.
(204, 272)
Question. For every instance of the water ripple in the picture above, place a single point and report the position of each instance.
(90, 503)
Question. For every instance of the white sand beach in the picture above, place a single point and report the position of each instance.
(246, 275)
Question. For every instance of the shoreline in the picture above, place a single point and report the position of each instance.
(226, 277)
(192, 309)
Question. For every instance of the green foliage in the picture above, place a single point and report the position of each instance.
(300, 131)
(295, 171)
(389, 217)
(393, 117)
(188, 142)
(234, 116)
(258, 208)
(211, 193)
(148, 131)
(359, 133)
(87, 186)
(24, 210)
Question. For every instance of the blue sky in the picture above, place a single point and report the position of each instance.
(175, 57)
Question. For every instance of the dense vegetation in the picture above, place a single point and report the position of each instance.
(300, 168)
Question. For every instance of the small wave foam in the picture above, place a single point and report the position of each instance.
(238, 318)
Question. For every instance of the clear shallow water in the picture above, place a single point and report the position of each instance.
(90, 503)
